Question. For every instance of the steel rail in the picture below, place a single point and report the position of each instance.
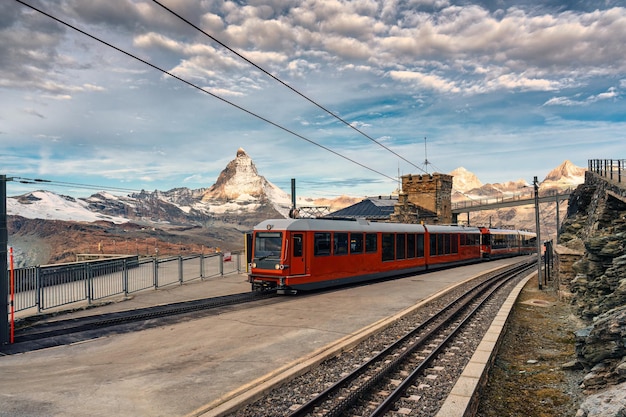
(447, 314)
(387, 404)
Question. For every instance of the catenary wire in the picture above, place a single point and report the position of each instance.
(54, 183)
(264, 119)
(286, 85)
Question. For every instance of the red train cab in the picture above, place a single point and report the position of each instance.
(306, 254)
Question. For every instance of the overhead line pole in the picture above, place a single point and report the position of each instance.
(4, 277)
(536, 185)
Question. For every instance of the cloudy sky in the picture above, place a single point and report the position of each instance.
(507, 89)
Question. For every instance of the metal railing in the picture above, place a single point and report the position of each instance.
(46, 287)
(613, 169)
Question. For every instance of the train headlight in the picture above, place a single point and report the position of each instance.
(253, 264)
(277, 266)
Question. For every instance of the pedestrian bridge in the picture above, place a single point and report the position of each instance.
(493, 203)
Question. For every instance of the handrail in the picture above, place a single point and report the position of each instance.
(613, 169)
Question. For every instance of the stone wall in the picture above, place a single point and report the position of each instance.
(564, 259)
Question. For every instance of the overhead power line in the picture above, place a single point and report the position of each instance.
(264, 119)
(351, 126)
(23, 180)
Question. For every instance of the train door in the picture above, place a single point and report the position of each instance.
(297, 254)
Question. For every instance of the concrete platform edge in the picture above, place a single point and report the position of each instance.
(462, 401)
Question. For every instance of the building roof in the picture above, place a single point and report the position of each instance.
(372, 208)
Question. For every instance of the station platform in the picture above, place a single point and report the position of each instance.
(184, 369)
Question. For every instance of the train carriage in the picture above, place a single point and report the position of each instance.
(501, 243)
(305, 254)
(452, 245)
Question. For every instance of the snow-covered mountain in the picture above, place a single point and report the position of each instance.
(466, 185)
(50, 206)
(43, 231)
(240, 195)
(240, 187)
(464, 180)
(564, 176)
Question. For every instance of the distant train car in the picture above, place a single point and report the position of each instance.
(306, 254)
(502, 243)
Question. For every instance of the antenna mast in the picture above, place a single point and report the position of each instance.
(425, 156)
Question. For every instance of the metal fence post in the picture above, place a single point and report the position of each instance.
(88, 283)
(180, 269)
(202, 266)
(155, 265)
(38, 288)
(221, 261)
(125, 277)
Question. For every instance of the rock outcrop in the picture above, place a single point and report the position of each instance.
(596, 223)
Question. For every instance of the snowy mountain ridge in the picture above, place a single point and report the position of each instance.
(239, 195)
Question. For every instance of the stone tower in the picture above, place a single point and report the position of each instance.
(432, 193)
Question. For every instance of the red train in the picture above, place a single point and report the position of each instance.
(306, 254)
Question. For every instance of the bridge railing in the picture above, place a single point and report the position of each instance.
(506, 199)
(613, 169)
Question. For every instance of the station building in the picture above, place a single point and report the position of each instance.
(423, 198)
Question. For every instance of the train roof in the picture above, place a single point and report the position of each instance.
(508, 232)
(336, 225)
(360, 225)
(434, 228)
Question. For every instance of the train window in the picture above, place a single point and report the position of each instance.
(371, 242)
(410, 245)
(401, 246)
(388, 246)
(454, 244)
(433, 245)
(321, 244)
(420, 246)
(268, 245)
(356, 243)
(441, 241)
(340, 244)
(297, 245)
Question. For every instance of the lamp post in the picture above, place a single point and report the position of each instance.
(536, 185)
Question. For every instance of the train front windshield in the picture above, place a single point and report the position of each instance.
(267, 247)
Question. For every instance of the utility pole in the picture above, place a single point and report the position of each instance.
(293, 212)
(536, 184)
(4, 278)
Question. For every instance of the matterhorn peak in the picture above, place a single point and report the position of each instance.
(240, 183)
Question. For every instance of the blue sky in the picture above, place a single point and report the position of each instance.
(506, 89)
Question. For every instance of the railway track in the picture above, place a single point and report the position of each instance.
(59, 332)
(406, 370)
